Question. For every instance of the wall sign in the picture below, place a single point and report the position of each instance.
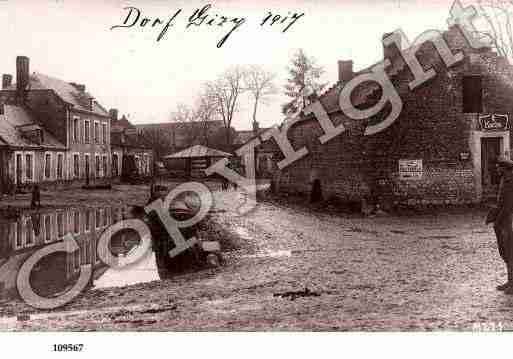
(494, 122)
(410, 169)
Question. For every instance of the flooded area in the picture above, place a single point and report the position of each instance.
(26, 234)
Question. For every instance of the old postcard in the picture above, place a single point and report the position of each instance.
(240, 166)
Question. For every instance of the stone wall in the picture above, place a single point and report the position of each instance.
(431, 127)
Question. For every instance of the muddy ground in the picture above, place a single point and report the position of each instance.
(294, 268)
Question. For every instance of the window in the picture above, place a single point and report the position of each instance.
(19, 234)
(104, 132)
(30, 231)
(19, 168)
(147, 163)
(87, 164)
(88, 220)
(76, 165)
(137, 164)
(48, 165)
(87, 131)
(98, 216)
(60, 224)
(472, 94)
(104, 167)
(115, 165)
(96, 132)
(48, 227)
(29, 166)
(75, 129)
(76, 222)
(60, 164)
(97, 164)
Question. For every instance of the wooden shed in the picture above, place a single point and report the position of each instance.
(193, 161)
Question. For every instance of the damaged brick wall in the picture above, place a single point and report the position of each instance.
(431, 127)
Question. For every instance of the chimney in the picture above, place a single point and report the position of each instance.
(389, 51)
(113, 113)
(22, 75)
(345, 71)
(6, 81)
(256, 127)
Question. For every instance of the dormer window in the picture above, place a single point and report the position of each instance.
(33, 133)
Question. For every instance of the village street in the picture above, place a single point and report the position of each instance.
(291, 269)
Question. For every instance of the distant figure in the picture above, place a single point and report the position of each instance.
(316, 194)
(502, 219)
(36, 197)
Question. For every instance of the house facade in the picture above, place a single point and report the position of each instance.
(38, 109)
(130, 154)
(265, 153)
(441, 148)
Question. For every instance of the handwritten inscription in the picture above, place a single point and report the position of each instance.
(204, 17)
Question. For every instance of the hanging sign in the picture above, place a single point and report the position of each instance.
(494, 122)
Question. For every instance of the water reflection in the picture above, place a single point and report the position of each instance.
(56, 273)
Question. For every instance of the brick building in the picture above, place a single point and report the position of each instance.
(265, 154)
(441, 148)
(131, 155)
(55, 130)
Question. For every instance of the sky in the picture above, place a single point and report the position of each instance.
(126, 68)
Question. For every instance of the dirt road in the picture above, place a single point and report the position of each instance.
(296, 270)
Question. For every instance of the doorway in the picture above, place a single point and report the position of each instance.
(490, 150)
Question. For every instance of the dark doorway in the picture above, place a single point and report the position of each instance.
(490, 150)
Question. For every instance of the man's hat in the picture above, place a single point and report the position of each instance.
(505, 162)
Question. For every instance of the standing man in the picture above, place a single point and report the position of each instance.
(36, 197)
(502, 222)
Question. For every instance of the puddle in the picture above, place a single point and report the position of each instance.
(143, 271)
(27, 233)
(268, 254)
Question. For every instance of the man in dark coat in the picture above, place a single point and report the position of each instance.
(503, 219)
(36, 197)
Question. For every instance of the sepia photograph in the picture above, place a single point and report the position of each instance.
(268, 166)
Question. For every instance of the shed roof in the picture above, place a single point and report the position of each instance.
(199, 151)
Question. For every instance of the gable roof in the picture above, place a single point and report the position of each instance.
(330, 98)
(199, 151)
(242, 137)
(69, 92)
(15, 120)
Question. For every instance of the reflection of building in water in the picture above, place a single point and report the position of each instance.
(56, 272)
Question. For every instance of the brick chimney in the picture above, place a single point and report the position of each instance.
(393, 49)
(113, 113)
(345, 71)
(22, 75)
(6, 81)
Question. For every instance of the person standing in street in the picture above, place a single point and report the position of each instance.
(36, 197)
(503, 219)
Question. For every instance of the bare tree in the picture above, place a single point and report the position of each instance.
(304, 80)
(155, 138)
(260, 84)
(185, 117)
(496, 25)
(225, 92)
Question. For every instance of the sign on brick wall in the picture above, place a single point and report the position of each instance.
(493, 122)
(410, 169)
